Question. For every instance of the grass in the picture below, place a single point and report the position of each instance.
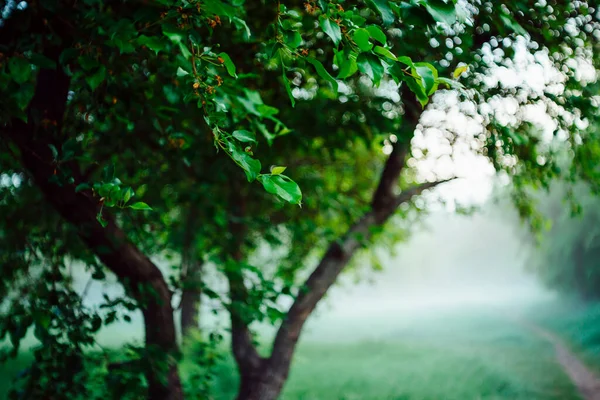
(462, 356)
(457, 356)
(577, 323)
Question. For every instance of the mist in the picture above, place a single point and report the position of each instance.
(451, 263)
(448, 263)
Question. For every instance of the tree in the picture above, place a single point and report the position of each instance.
(147, 92)
(565, 257)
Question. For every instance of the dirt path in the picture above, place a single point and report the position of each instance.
(585, 380)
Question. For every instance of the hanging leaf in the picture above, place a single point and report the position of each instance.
(101, 220)
(450, 83)
(323, 72)
(416, 87)
(154, 43)
(288, 89)
(277, 170)
(348, 68)
(244, 136)
(371, 66)
(20, 70)
(96, 78)
(82, 187)
(428, 75)
(283, 187)
(250, 165)
(361, 37)
(42, 61)
(54, 151)
(513, 25)
(127, 194)
(229, 65)
(406, 61)
(384, 10)
(382, 51)
(331, 29)
(293, 39)
(459, 70)
(140, 205)
(181, 72)
(377, 34)
(441, 11)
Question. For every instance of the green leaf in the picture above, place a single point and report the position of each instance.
(229, 65)
(152, 42)
(176, 36)
(513, 25)
(101, 219)
(428, 75)
(283, 187)
(108, 173)
(42, 61)
(81, 187)
(244, 136)
(361, 37)
(87, 62)
(451, 83)
(417, 89)
(105, 189)
(127, 194)
(140, 205)
(377, 34)
(406, 61)
(441, 11)
(54, 151)
(371, 66)
(277, 170)
(181, 72)
(172, 32)
(358, 20)
(288, 89)
(331, 29)
(323, 72)
(293, 39)
(96, 78)
(384, 9)
(382, 51)
(250, 165)
(348, 68)
(459, 70)
(20, 69)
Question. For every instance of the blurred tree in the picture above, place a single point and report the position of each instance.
(164, 95)
(566, 256)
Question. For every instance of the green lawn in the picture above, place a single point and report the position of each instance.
(462, 356)
(459, 356)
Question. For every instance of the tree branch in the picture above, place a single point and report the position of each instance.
(383, 201)
(339, 253)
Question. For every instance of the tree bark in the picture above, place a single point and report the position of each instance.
(260, 384)
(191, 298)
(250, 364)
(191, 271)
(142, 279)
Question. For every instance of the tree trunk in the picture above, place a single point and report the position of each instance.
(143, 280)
(191, 271)
(191, 299)
(260, 385)
(266, 381)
